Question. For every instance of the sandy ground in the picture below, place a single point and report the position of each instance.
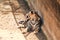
(8, 26)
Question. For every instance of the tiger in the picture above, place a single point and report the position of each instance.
(33, 23)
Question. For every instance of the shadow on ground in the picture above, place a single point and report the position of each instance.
(41, 35)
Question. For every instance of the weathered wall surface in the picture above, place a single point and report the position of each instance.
(51, 14)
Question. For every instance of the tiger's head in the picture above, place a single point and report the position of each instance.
(33, 16)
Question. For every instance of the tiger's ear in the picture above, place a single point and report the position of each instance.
(27, 15)
(32, 12)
